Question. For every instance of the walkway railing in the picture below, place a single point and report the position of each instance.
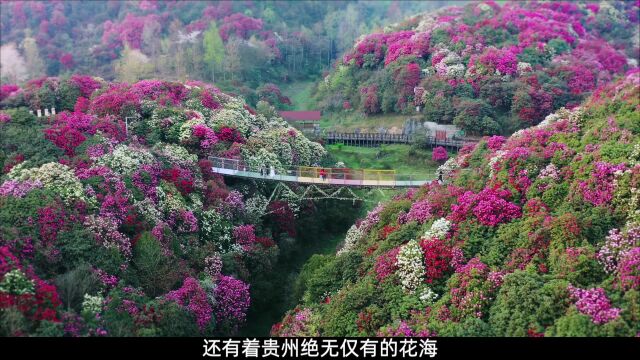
(372, 139)
(318, 175)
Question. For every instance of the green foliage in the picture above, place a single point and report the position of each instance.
(49, 329)
(518, 307)
(24, 135)
(533, 56)
(468, 327)
(73, 284)
(12, 322)
(343, 308)
(331, 276)
(575, 324)
(558, 46)
(475, 116)
(175, 321)
(151, 269)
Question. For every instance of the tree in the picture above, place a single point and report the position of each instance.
(133, 66)
(151, 269)
(233, 59)
(12, 64)
(35, 65)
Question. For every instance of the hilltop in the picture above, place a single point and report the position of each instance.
(248, 47)
(487, 68)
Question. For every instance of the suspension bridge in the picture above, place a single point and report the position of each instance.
(320, 176)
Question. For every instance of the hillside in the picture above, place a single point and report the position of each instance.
(247, 47)
(488, 68)
(101, 234)
(537, 234)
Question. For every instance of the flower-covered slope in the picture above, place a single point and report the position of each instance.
(533, 235)
(100, 235)
(485, 67)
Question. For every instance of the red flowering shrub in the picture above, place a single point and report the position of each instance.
(39, 304)
(67, 60)
(11, 162)
(370, 102)
(181, 178)
(86, 84)
(66, 138)
(239, 25)
(230, 135)
(283, 217)
(437, 257)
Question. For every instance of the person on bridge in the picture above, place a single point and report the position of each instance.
(272, 171)
(323, 174)
(262, 170)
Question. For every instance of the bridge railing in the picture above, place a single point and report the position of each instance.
(319, 175)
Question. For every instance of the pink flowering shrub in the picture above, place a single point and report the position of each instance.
(194, 299)
(18, 188)
(209, 101)
(386, 264)
(595, 304)
(470, 290)
(488, 206)
(370, 102)
(213, 266)
(105, 231)
(420, 211)
(598, 189)
(629, 269)
(128, 32)
(146, 179)
(232, 301)
(495, 142)
(186, 221)
(4, 117)
(500, 60)
(239, 25)
(295, 323)
(8, 90)
(206, 135)
(439, 154)
(244, 236)
(616, 247)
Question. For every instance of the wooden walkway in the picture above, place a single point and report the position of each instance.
(375, 139)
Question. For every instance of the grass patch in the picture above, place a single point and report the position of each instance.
(354, 120)
(403, 158)
(299, 92)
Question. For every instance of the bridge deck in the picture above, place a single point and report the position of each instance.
(308, 175)
(326, 181)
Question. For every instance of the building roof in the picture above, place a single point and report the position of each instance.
(313, 115)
